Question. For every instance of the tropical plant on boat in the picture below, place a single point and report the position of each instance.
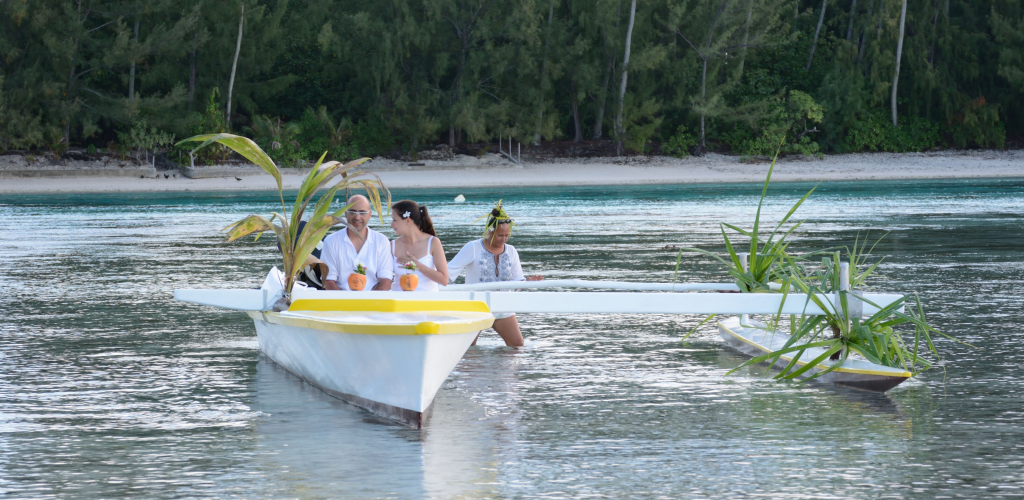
(842, 330)
(768, 257)
(298, 244)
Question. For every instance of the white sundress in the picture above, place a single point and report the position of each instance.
(425, 284)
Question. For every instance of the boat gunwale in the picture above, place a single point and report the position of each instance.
(414, 329)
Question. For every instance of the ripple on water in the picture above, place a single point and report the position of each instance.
(111, 389)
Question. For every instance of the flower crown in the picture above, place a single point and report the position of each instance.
(496, 216)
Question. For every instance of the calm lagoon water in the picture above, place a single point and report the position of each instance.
(109, 388)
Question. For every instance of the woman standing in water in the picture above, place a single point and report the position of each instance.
(491, 259)
(417, 243)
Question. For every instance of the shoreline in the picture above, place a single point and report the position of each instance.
(635, 170)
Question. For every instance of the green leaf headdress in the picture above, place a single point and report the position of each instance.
(496, 216)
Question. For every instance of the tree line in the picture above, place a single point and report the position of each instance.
(364, 77)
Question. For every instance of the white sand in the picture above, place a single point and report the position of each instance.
(464, 171)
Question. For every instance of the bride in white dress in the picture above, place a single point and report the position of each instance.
(417, 243)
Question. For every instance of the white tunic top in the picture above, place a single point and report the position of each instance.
(341, 257)
(480, 267)
(424, 284)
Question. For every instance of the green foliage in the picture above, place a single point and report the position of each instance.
(680, 144)
(838, 331)
(408, 74)
(277, 138)
(296, 247)
(211, 121)
(141, 138)
(641, 123)
(17, 130)
(372, 137)
(318, 133)
(874, 132)
(978, 124)
(786, 119)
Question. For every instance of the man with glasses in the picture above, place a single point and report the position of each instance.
(358, 244)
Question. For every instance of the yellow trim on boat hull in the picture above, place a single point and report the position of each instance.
(904, 374)
(421, 328)
(388, 305)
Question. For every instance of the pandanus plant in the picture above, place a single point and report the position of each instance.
(297, 244)
(764, 272)
(842, 329)
(767, 256)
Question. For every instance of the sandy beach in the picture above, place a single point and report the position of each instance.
(491, 170)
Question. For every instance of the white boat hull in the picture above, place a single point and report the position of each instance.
(755, 340)
(395, 376)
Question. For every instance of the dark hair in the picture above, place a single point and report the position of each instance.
(417, 213)
(495, 218)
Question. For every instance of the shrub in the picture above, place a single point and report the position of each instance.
(874, 132)
(785, 120)
(278, 138)
(141, 138)
(641, 123)
(680, 144)
(18, 130)
(318, 133)
(210, 121)
(978, 124)
(372, 138)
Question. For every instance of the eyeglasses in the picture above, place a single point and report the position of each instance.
(353, 213)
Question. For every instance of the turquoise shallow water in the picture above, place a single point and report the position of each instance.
(109, 388)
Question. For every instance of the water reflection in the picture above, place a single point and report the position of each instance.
(108, 388)
(311, 444)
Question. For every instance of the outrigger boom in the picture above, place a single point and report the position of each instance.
(389, 352)
(499, 301)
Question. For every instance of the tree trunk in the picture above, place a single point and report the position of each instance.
(703, 91)
(864, 32)
(746, 39)
(899, 53)
(575, 114)
(619, 131)
(234, 65)
(131, 72)
(821, 18)
(849, 27)
(544, 75)
(192, 76)
(881, 14)
(931, 49)
(599, 120)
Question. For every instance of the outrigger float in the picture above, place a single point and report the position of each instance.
(389, 352)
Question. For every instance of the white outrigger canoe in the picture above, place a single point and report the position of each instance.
(755, 339)
(389, 352)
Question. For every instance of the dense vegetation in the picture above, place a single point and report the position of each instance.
(373, 76)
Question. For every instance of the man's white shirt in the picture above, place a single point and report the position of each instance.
(341, 257)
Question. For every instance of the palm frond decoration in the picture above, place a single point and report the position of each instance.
(296, 247)
(496, 216)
